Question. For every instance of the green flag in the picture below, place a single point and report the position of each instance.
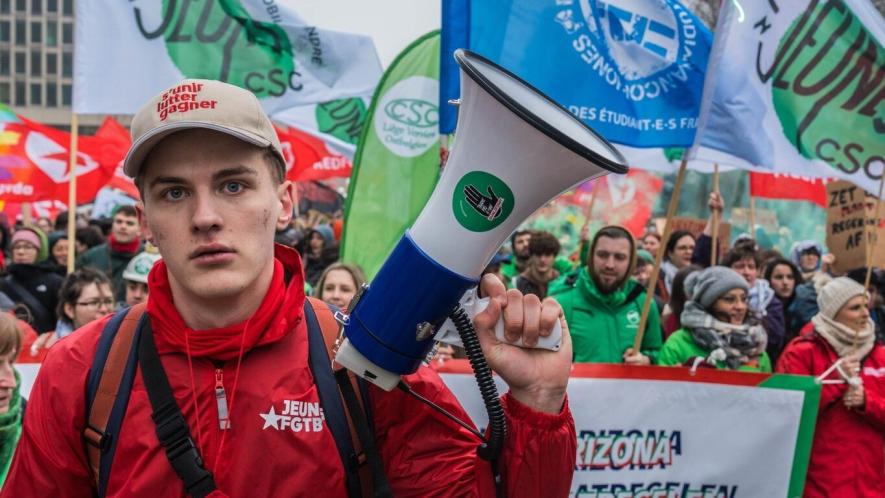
(397, 160)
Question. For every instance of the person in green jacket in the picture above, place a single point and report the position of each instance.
(11, 403)
(113, 256)
(519, 244)
(602, 304)
(717, 328)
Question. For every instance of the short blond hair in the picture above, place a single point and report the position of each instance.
(10, 336)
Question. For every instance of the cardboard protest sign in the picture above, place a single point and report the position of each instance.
(849, 210)
(696, 227)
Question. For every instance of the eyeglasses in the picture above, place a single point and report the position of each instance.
(96, 303)
(24, 246)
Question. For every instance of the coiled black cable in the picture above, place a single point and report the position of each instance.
(491, 448)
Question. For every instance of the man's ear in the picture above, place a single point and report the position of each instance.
(286, 195)
(142, 222)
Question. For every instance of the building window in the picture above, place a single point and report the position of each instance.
(51, 33)
(68, 6)
(36, 6)
(5, 29)
(20, 63)
(4, 93)
(51, 95)
(5, 70)
(36, 32)
(67, 61)
(36, 63)
(21, 6)
(36, 94)
(66, 95)
(20, 93)
(51, 64)
(67, 33)
(51, 5)
(4, 9)
(20, 35)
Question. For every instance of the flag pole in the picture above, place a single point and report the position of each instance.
(587, 216)
(752, 216)
(72, 194)
(659, 257)
(714, 252)
(871, 249)
(27, 219)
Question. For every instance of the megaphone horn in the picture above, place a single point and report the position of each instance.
(515, 150)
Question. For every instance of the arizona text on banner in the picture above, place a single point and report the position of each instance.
(796, 87)
(668, 432)
(262, 46)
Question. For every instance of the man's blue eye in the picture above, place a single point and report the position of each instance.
(233, 187)
(174, 193)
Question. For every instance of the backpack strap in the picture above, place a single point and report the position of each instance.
(362, 461)
(107, 390)
(322, 332)
(171, 426)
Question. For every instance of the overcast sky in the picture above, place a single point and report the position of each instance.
(393, 24)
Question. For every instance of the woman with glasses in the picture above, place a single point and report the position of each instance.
(85, 296)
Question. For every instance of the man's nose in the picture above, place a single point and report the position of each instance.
(205, 216)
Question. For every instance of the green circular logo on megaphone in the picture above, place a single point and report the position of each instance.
(481, 201)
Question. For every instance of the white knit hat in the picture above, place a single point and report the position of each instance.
(833, 296)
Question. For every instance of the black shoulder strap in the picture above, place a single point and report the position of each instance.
(172, 429)
(634, 293)
(333, 408)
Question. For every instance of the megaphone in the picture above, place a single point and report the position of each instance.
(515, 150)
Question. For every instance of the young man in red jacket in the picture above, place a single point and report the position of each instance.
(226, 310)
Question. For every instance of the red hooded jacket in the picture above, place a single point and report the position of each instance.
(848, 453)
(278, 443)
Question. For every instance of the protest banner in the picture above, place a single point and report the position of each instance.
(632, 71)
(264, 47)
(338, 122)
(34, 162)
(781, 74)
(668, 432)
(852, 227)
(792, 187)
(397, 162)
(308, 158)
(696, 227)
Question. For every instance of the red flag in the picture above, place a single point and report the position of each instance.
(308, 158)
(113, 131)
(630, 199)
(34, 163)
(798, 188)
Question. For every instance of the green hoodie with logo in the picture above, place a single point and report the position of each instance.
(604, 326)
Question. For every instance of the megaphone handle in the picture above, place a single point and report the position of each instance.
(552, 342)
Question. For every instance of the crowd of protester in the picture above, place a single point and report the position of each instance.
(755, 310)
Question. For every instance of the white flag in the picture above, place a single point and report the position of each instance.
(798, 88)
(127, 52)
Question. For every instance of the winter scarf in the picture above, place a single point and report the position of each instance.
(669, 270)
(739, 343)
(10, 429)
(842, 338)
(760, 296)
(275, 317)
(127, 248)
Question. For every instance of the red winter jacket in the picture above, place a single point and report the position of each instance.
(848, 454)
(277, 445)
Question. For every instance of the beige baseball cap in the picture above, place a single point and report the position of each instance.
(194, 103)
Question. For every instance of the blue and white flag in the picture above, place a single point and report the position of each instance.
(797, 88)
(633, 70)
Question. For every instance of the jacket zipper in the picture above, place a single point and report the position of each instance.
(221, 400)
